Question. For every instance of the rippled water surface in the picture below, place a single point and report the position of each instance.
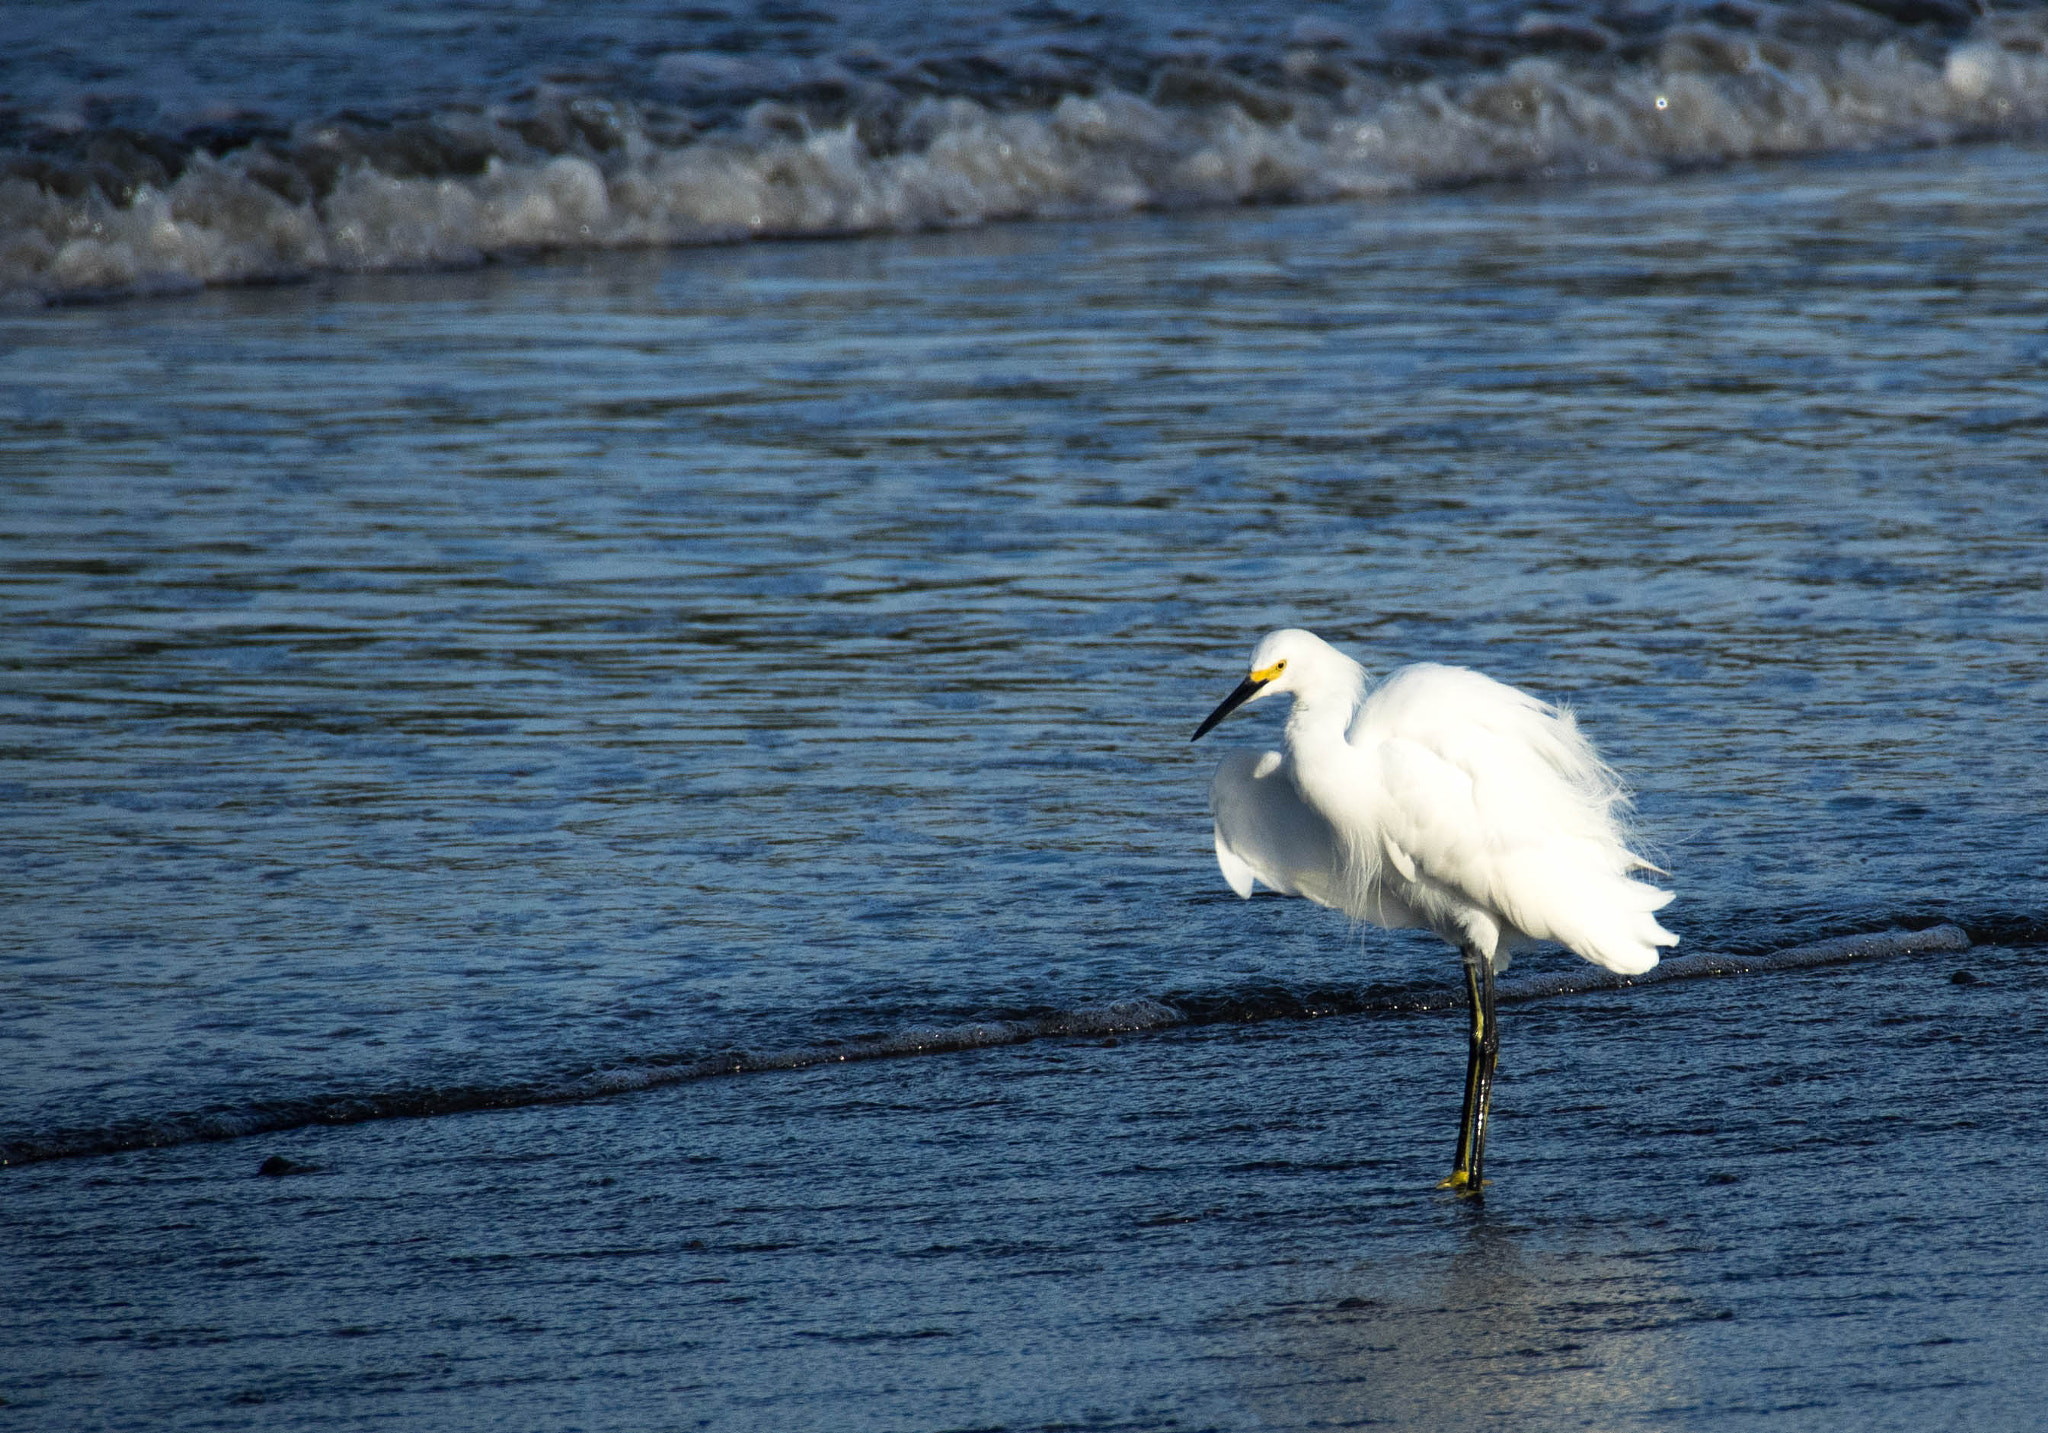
(151, 149)
(440, 690)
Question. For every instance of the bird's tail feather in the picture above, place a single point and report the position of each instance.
(1623, 934)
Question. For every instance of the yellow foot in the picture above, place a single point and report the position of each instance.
(1461, 1182)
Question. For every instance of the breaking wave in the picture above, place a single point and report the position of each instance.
(1118, 1018)
(712, 147)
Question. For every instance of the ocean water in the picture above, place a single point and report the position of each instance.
(652, 775)
(146, 148)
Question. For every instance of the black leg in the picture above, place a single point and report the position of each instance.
(1485, 1051)
(1465, 1166)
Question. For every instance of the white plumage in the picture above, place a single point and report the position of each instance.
(1438, 799)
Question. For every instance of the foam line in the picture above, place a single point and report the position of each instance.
(1131, 1016)
(1835, 951)
(279, 1116)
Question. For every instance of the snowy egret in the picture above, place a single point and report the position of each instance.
(1443, 800)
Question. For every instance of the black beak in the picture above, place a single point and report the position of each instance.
(1246, 690)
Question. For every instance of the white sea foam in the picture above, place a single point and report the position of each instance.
(1711, 95)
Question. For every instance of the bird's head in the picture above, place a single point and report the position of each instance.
(1289, 660)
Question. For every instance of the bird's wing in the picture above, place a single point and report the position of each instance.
(1266, 832)
(1486, 795)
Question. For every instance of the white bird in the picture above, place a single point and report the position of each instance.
(1439, 799)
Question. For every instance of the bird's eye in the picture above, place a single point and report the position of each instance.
(1281, 665)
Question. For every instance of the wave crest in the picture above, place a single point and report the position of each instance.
(803, 153)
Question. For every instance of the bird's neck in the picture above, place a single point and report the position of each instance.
(1321, 761)
(1322, 714)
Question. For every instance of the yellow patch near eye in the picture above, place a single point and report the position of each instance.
(1266, 674)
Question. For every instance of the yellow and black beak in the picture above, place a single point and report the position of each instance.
(1246, 690)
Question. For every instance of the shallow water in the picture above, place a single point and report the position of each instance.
(1793, 1202)
(444, 690)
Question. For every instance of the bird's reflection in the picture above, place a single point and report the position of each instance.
(1491, 1331)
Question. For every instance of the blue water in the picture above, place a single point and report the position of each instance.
(433, 699)
(150, 150)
